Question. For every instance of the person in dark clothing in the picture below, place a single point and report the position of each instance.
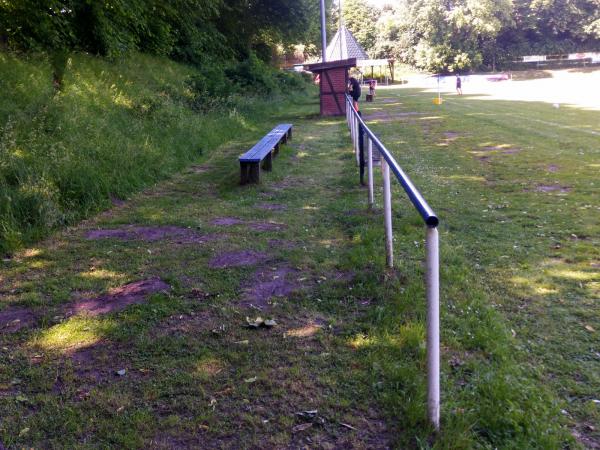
(354, 91)
(458, 84)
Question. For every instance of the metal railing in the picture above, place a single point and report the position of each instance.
(358, 129)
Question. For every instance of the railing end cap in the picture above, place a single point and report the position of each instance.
(432, 221)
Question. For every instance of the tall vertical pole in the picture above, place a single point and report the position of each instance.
(387, 214)
(433, 325)
(370, 169)
(323, 31)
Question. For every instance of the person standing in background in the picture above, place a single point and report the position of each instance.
(458, 84)
(354, 91)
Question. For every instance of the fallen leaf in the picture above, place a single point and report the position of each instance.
(251, 380)
(347, 426)
(269, 323)
(121, 372)
(590, 328)
(244, 342)
(23, 432)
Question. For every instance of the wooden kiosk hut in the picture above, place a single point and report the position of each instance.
(333, 80)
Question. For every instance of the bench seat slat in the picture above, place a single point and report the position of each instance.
(266, 144)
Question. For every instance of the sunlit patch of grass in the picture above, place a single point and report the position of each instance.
(303, 332)
(545, 290)
(30, 253)
(209, 367)
(38, 264)
(73, 334)
(410, 335)
(574, 274)
(103, 274)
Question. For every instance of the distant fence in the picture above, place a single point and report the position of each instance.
(582, 59)
(358, 129)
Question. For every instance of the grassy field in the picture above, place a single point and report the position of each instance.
(172, 363)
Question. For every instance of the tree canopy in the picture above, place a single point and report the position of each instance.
(188, 30)
(454, 35)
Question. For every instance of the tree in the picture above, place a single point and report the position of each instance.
(360, 19)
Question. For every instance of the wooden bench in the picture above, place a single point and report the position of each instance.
(263, 151)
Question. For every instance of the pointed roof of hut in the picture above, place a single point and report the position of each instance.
(344, 46)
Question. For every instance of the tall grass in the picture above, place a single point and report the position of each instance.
(113, 128)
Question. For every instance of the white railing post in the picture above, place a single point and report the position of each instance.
(433, 326)
(347, 113)
(352, 128)
(370, 169)
(387, 213)
(357, 146)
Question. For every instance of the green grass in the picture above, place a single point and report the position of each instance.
(517, 293)
(114, 128)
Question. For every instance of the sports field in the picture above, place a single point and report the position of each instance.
(513, 169)
(132, 329)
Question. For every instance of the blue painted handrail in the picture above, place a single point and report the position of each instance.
(428, 215)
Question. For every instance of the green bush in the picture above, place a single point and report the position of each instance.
(217, 87)
(253, 76)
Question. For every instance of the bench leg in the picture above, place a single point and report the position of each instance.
(244, 172)
(250, 172)
(268, 162)
(276, 149)
(254, 175)
(289, 134)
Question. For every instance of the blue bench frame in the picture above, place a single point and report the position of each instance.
(263, 151)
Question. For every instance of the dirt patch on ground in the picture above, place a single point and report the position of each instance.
(226, 221)
(14, 319)
(180, 235)
(199, 169)
(237, 259)
(280, 243)
(118, 298)
(267, 283)
(586, 440)
(342, 276)
(117, 202)
(552, 168)
(552, 188)
(102, 363)
(186, 324)
(451, 135)
(271, 207)
(267, 226)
